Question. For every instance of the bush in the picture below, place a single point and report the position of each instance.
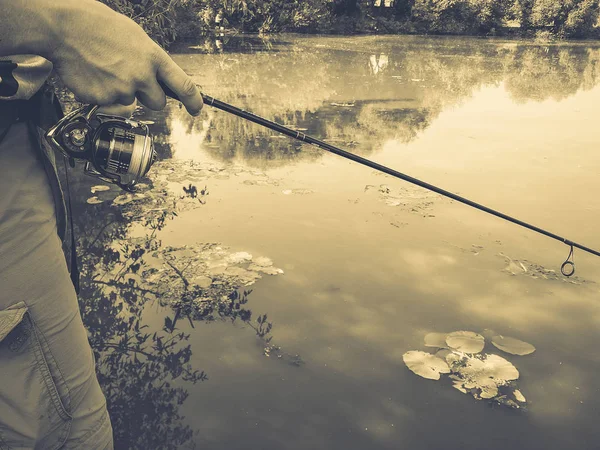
(156, 17)
(269, 16)
(167, 20)
(460, 16)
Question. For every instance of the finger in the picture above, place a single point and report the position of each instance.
(126, 98)
(181, 84)
(152, 96)
(118, 110)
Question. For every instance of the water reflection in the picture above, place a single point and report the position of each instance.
(139, 365)
(339, 90)
(378, 64)
(370, 271)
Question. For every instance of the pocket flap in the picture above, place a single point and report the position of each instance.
(10, 318)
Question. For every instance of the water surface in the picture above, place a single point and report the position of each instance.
(371, 264)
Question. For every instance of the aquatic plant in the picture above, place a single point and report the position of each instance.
(512, 345)
(125, 267)
(483, 375)
(425, 365)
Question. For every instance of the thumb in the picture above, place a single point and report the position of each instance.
(179, 83)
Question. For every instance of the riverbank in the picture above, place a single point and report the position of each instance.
(167, 21)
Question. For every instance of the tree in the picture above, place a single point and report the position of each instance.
(568, 18)
(460, 16)
(521, 11)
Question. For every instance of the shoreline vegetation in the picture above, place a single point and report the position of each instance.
(169, 20)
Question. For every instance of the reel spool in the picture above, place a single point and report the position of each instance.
(115, 149)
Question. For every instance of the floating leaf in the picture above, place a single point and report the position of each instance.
(512, 267)
(265, 270)
(465, 341)
(482, 374)
(238, 257)
(123, 199)
(443, 353)
(458, 385)
(519, 396)
(425, 365)
(202, 281)
(94, 201)
(99, 188)
(512, 345)
(437, 340)
(263, 261)
(243, 276)
(296, 191)
(504, 400)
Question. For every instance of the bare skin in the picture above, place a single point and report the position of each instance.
(104, 57)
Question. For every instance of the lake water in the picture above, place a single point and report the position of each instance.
(371, 264)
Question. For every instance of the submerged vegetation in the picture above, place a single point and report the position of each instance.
(168, 20)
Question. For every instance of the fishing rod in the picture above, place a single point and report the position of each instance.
(567, 268)
(121, 151)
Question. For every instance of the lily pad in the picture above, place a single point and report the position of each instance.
(519, 396)
(238, 257)
(512, 345)
(481, 374)
(94, 201)
(265, 270)
(425, 364)
(127, 198)
(465, 341)
(443, 353)
(436, 340)
(263, 261)
(506, 401)
(99, 188)
(202, 281)
(296, 191)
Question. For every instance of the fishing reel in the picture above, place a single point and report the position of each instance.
(115, 149)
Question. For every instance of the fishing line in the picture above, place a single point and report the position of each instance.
(567, 268)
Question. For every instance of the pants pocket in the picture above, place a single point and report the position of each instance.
(34, 399)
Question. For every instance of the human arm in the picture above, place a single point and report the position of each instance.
(102, 56)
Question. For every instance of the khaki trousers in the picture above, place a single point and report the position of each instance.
(49, 394)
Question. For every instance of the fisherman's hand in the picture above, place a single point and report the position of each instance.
(105, 58)
(118, 110)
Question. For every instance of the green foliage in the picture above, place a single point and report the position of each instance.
(168, 20)
(157, 17)
(568, 18)
(521, 11)
(460, 16)
(268, 16)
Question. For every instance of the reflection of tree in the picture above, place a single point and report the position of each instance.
(366, 91)
(137, 367)
(539, 73)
